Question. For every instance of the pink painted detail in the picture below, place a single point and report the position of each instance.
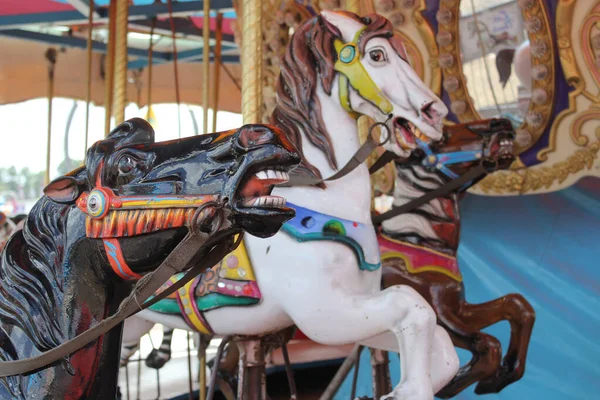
(17, 7)
(420, 259)
(231, 261)
(227, 24)
(227, 287)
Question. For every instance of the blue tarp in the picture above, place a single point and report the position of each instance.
(546, 247)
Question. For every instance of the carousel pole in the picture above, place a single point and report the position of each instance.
(51, 58)
(217, 71)
(88, 94)
(150, 62)
(251, 61)
(122, 17)
(205, 66)
(109, 63)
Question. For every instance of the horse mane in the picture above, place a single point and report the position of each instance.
(31, 273)
(298, 109)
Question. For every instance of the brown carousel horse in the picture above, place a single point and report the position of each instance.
(419, 249)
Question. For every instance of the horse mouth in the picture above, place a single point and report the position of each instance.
(406, 133)
(503, 149)
(255, 191)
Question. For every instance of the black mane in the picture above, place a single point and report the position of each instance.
(31, 274)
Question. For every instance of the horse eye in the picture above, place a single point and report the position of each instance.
(126, 165)
(377, 55)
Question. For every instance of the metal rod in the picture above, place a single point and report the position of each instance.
(189, 357)
(88, 95)
(217, 70)
(127, 380)
(139, 370)
(289, 372)
(206, 66)
(51, 55)
(355, 376)
(341, 373)
(202, 365)
(175, 67)
(215, 371)
(150, 62)
(109, 67)
(122, 14)
(230, 75)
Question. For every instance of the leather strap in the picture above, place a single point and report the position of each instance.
(449, 187)
(357, 159)
(186, 254)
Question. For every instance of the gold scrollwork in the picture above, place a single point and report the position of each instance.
(542, 60)
(532, 179)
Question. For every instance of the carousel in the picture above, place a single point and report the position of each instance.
(408, 208)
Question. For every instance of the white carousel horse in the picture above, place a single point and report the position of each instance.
(322, 271)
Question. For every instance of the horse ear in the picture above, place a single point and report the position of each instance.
(131, 132)
(63, 190)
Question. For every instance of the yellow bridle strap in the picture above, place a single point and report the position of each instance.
(353, 73)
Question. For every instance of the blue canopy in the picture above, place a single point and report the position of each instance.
(546, 247)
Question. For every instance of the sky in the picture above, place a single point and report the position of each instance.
(24, 127)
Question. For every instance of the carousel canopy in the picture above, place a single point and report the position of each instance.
(30, 28)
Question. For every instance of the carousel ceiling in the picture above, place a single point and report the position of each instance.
(29, 28)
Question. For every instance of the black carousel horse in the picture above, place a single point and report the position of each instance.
(104, 225)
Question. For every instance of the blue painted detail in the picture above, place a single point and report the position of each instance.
(545, 247)
(142, 9)
(310, 225)
(441, 161)
(143, 62)
(113, 254)
(348, 53)
(74, 42)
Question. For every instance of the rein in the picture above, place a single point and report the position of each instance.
(198, 249)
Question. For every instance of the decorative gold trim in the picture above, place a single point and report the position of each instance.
(532, 179)
(428, 36)
(543, 67)
(564, 22)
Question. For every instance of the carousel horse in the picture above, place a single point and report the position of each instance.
(419, 249)
(7, 228)
(322, 272)
(105, 225)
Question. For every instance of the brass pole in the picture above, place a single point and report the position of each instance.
(51, 58)
(122, 18)
(217, 71)
(205, 66)
(252, 61)
(88, 95)
(109, 63)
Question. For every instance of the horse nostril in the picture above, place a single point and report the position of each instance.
(427, 110)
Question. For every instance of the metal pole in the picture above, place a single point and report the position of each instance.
(252, 61)
(217, 71)
(205, 66)
(122, 18)
(109, 64)
(150, 55)
(341, 373)
(353, 6)
(51, 55)
(88, 97)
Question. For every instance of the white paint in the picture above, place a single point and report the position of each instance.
(318, 285)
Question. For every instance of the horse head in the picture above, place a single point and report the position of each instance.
(376, 79)
(487, 141)
(131, 186)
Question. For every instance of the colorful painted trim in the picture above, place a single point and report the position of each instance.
(116, 260)
(230, 283)
(419, 259)
(310, 225)
(191, 314)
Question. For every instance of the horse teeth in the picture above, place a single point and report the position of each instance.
(286, 176)
(261, 175)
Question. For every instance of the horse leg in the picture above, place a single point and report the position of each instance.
(371, 320)
(159, 357)
(515, 309)
(485, 349)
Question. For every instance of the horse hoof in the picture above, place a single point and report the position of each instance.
(501, 379)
